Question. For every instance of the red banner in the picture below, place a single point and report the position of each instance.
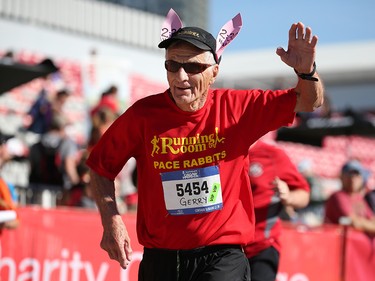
(63, 245)
(310, 254)
(359, 256)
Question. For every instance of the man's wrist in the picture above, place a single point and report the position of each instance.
(308, 76)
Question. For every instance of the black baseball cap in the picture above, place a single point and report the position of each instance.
(196, 36)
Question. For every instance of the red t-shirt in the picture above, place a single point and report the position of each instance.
(164, 139)
(343, 204)
(266, 162)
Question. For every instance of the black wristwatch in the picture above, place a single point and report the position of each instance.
(308, 76)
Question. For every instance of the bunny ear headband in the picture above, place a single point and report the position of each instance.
(172, 30)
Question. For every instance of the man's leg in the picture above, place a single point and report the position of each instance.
(264, 266)
(158, 265)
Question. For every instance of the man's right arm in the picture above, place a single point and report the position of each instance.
(300, 55)
(115, 240)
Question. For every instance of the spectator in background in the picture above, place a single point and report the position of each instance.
(41, 112)
(39, 117)
(7, 203)
(59, 101)
(348, 204)
(275, 183)
(370, 199)
(6, 200)
(53, 163)
(100, 121)
(103, 114)
(109, 100)
(14, 166)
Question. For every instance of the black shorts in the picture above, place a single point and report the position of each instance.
(211, 263)
(264, 266)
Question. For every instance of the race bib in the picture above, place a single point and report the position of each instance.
(194, 191)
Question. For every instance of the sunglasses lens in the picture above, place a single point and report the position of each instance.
(172, 66)
(194, 68)
(190, 67)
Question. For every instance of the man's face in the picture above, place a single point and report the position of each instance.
(189, 91)
(352, 181)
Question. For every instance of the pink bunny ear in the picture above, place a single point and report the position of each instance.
(227, 33)
(171, 24)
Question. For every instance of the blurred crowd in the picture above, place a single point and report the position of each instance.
(52, 162)
(42, 164)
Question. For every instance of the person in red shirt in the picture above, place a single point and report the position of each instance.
(108, 100)
(349, 205)
(275, 183)
(195, 208)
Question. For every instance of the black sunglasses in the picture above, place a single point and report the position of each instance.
(189, 67)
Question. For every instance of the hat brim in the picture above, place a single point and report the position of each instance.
(166, 43)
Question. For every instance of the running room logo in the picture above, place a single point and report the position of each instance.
(198, 143)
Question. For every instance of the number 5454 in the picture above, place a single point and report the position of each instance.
(192, 188)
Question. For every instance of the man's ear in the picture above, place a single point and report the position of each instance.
(215, 72)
